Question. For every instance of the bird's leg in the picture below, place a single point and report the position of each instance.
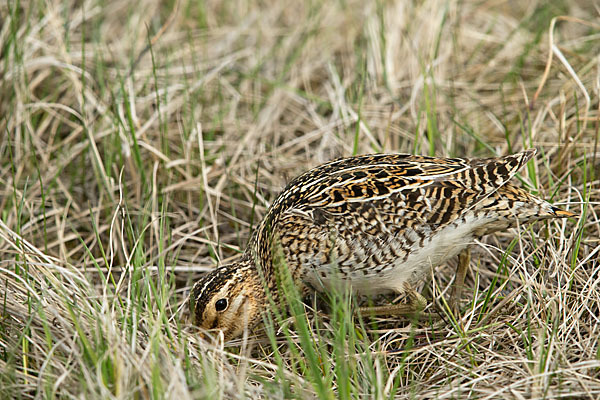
(464, 258)
(416, 304)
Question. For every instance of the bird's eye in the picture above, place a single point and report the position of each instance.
(221, 305)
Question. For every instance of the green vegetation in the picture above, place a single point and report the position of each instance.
(140, 142)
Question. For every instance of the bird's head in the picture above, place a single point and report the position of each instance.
(230, 299)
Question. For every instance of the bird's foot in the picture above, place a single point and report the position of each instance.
(416, 304)
(464, 258)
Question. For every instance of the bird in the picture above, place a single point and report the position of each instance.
(377, 223)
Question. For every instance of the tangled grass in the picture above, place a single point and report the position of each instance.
(141, 142)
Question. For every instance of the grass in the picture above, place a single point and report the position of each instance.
(141, 143)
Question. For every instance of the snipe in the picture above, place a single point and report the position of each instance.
(377, 222)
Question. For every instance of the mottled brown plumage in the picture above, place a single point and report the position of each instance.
(376, 222)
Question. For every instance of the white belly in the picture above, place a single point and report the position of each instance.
(444, 245)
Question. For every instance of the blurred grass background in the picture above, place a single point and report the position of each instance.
(141, 142)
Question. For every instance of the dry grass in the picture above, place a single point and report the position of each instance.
(140, 143)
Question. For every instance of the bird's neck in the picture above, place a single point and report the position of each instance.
(272, 270)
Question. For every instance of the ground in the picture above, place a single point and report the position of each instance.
(142, 141)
